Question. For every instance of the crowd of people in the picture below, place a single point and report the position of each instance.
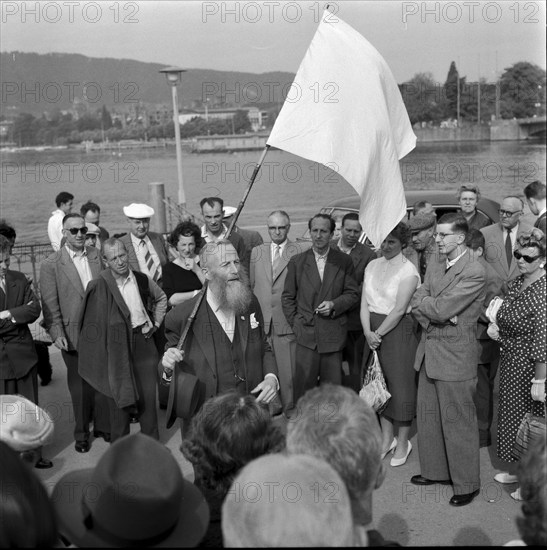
(232, 335)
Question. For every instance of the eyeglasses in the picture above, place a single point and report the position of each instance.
(277, 228)
(527, 259)
(442, 235)
(75, 230)
(508, 213)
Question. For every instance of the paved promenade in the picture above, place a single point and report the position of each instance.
(410, 515)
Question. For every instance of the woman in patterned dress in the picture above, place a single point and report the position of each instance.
(521, 322)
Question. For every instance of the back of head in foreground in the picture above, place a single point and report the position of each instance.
(532, 475)
(228, 432)
(336, 425)
(287, 500)
(27, 516)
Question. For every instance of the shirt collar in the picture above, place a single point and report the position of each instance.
(281, 246)
(137, 240)
(343, 248)
(542, 211)
(73, 253)
(205, 233)
(450, 263)
(130, 277)
(321, 256)
(213, 302)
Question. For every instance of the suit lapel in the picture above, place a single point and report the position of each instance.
(242, 325)
(331, 269)
(283, 262)
(118, 298)
(11, 292)
(266, 261)
(446, 279)
(71, 272)
(311, 271)
(202, 335)
(94, 261)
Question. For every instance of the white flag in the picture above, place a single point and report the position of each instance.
(345, 111)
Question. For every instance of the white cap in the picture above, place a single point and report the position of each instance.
(139, 211)
(229, 211)
(92, 229)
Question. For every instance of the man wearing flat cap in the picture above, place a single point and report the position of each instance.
(146, 250)
(422, 228)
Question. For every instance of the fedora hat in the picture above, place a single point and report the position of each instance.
(228, 212)
(135, 496)
(185, 395)
(422, 220)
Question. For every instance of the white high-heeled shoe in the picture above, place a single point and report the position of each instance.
(505, 478)
(401, 461)
(391, 448)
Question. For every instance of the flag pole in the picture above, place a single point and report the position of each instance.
(192, 317)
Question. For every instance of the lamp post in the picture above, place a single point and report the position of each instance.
(173, 76)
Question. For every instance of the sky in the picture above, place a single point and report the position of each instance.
(482, 37)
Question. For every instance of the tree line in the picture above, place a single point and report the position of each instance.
(519, 93)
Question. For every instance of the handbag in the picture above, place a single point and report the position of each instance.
(531, 428)
(374, 391)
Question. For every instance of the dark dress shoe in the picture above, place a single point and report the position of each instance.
(104, 435)
(133, 419)
(82, 446)
(420, 480)
(44, 464)
(462, 500)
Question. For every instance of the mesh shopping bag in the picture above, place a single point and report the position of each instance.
(374, 391)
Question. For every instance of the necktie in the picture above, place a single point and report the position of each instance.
(2, 293)
(509, 248)
(422, 264)
(150, 265)
(276, 261)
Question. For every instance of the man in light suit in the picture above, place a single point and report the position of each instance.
(361, 256)
(498, 253)
(268, 270)
(447, 307)
(64, 276)
(147, 251)
(319, 289)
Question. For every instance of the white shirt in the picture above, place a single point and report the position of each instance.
(281, 246)
(141, 254)
(129, 289)
(321, 261)
(209, 238)
(382, 279)
(79, 259)
(514, 232)
(55, 228)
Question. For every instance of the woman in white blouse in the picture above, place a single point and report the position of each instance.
(390, 282)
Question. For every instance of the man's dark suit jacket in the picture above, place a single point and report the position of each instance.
(304, 291)
(158, 242)
(200, 358)
(541, 222)
(361, 256)
(17, 352)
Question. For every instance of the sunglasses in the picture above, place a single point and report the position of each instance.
(76, 230)
(527, 259)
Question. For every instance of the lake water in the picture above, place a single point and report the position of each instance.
(30, 180)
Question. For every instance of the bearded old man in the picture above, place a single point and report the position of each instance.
(226, 348)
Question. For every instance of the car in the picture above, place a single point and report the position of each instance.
(443, 202)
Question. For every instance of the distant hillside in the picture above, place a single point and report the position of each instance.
(35, 83)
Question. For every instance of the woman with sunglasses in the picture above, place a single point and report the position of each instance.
(521, 322)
